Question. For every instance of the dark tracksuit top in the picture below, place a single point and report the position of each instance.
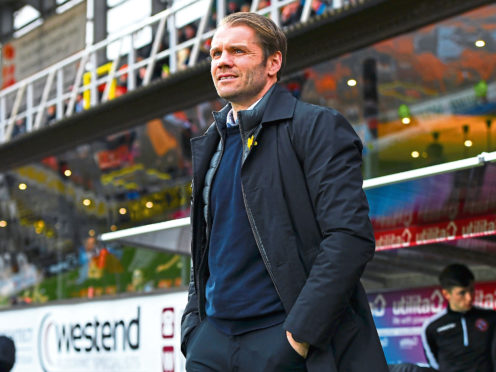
(461, 342)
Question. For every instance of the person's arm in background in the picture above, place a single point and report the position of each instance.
(430, 347)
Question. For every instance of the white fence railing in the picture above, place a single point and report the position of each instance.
(79, 83)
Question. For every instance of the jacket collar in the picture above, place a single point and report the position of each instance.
(276, 104)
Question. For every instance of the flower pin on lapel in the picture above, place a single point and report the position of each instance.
(249, 144)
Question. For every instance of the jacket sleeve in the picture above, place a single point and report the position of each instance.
(331, 158)
(190, 318)
(430, 347)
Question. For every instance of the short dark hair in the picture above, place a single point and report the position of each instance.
(456, 275)
(270, 36)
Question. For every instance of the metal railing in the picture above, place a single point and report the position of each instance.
(72, 85)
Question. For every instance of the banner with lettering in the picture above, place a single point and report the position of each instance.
(138, 334)
(399, 316)
(440, 208)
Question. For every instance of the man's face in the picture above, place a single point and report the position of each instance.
(238, 69)
(460, 299)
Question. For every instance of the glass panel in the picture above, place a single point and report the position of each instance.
(51, 213)
(418, 99)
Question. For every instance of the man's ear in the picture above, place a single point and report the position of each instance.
(446, 294)
(274, 64)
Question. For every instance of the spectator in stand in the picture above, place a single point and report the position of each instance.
(51, 115)
(79, 103)
(19, 127)
(245, 7)
(291, 13)
(232, 7)
(263, 4)
(140, 76)
(318, 7)
(7, 354)
(165, 72)
(86, 254)
(188, 32)
(121, 85)
(461, 337)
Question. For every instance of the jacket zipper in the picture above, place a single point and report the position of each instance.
(465, 333)
(208, 223)
(254, 229)
(192, 215)
(258, 241)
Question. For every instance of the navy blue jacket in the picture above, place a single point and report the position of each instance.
(302, 185)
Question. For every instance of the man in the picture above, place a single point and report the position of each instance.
(280, 228)
(461, 337)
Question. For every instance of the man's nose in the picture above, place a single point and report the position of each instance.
(224, 59)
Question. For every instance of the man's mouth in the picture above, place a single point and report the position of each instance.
(226, 77)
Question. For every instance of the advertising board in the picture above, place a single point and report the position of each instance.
(140, 334)
(439, 208)
(399, 316)
(55, 39)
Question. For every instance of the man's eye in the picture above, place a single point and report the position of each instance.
(238, 51)
(215, 54)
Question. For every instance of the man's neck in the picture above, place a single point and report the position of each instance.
(235, 109)
(249, 105)
(459, 311)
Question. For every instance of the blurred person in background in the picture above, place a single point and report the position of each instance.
(7, 353)
(281, 233)
(462, 336)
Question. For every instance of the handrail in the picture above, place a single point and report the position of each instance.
(29, 109)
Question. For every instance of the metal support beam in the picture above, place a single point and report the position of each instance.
(172, 236)
(404, 264)
(100, 27)
(6, 22)
(15, 109)
(44, 99)
(373, 277)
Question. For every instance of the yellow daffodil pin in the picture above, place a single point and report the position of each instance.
(249, 144)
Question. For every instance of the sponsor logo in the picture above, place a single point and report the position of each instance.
(65, 342)
(446, 327)
(481, 325)
(417, 304)
(168, 322)
(409, 343)
(378, 306)
(168, 359)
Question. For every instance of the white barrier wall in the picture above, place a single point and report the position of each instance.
(140, 334)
